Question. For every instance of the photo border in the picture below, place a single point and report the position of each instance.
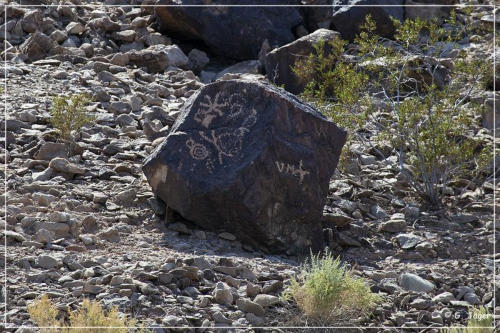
(493, 8)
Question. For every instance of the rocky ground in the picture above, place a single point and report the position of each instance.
(86, 225)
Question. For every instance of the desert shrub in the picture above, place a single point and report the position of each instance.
(480, 321)
(326, 290)
(44, 314)
(427, 108)
(90, 317)
(335, 87)
(69, 114)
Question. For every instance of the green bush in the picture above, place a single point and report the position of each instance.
(91, 318)
(326, 290)
(336, 88)
(422, 108)
(69, 114)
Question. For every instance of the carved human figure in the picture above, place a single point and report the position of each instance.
(209, 110)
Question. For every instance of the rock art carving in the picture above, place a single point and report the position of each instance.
(197, 150)
(209, 110)
(226, 143)
(293, 170)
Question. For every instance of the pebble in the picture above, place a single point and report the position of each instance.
(222, 294)
(246, 305)
(218, 317)
(408, 241)
(228, 236)
(253, 290)
(266, 300)
(393, 226)
(111, 234)
(444, 297)
(46, 262)
(414, 282)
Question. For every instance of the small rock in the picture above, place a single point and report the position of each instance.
(253, 289)
(444, 297)
(99, 197)
(421, 303)
(58, 36)
(173, 321)
(197, 60)
(414, 282)
(378, 212)
(218, 317)
(266, 300)
(50, 150)
(222, 294)
(60, 217)
(472, 298)
(92, 289)
(338, 218)
(393, 226)
(75, 28)
(408, 241)
(125, 35)
(254, 320)
(44, 236)
(228, 236)
(111, 234)
(46, 262)
(63, 165)
(120, 107)
(246, 305)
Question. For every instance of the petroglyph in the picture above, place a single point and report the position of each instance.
(209, 110)
(250, 121)
(197, 150)
(226, 143)
(293, 170)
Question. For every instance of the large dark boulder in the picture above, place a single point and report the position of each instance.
(235, 32)
(317, 14)
(279, 62)
(428, 9)
(349, 15)
(251, 159)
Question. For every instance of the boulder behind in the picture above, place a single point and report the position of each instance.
(234, 32)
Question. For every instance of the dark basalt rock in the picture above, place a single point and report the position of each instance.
(251, 159)
(350, 15)
(234, 32)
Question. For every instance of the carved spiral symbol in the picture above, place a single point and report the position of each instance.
(197, 150)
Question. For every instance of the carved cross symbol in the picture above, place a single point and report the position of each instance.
(301, 172)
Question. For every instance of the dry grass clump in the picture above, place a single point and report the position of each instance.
(89, 318)
(326, 290)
